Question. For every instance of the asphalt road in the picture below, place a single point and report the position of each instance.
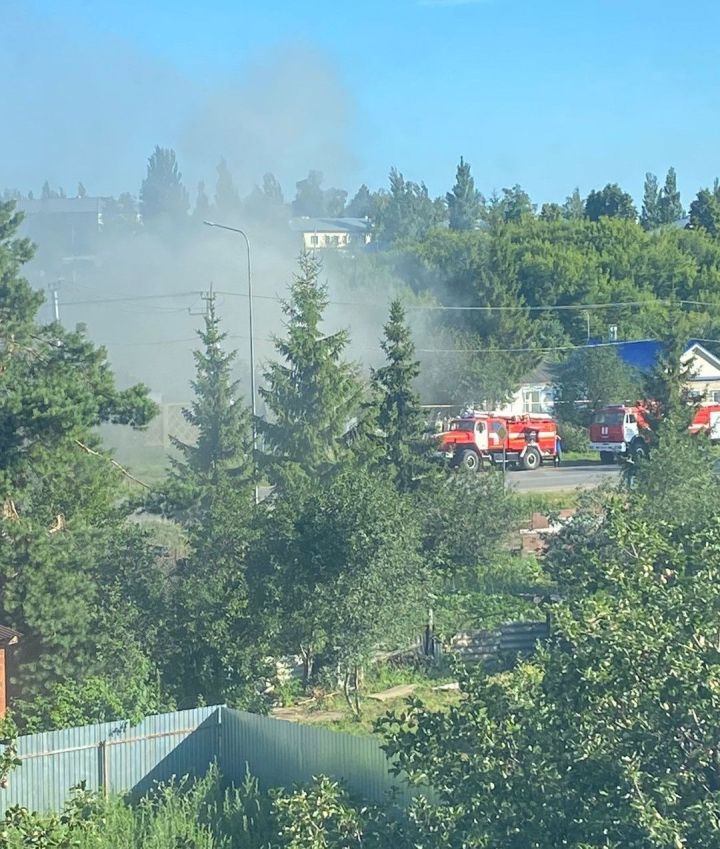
(550, 479)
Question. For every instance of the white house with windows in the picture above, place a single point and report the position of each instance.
(537, 390)
(535, 393)
(324, 233)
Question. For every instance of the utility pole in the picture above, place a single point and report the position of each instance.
(55, 295)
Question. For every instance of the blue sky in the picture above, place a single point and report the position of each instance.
(549, 95)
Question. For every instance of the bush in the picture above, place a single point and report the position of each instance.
(574, 437)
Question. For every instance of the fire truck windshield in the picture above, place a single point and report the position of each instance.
(609, 418)
(467, 425)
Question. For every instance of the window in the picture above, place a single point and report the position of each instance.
(609, 418)
(334, 241)
(715, 396)
(314, 240)
(631, 418)
(533, 401)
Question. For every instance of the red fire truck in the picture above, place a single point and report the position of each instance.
(518, 441)
(624, 430)
(620, 429)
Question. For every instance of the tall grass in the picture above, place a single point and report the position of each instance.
(180, 814)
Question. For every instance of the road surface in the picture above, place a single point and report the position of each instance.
(550, 479)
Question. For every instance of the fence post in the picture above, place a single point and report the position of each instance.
(104, 768)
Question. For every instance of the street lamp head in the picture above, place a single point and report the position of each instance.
(209, 223)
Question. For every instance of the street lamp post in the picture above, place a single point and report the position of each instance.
(252, 349)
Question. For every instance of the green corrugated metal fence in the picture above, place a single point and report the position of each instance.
(116, 757)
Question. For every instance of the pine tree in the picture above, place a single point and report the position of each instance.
(311, 393)
(223, 447)
(227, 197)
(81, 191)
(650, 214)
(670, 207)
(399, 417)
(61, 499)
(464, 201)
(163, 197)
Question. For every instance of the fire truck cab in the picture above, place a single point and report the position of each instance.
(518, 441)
(620, 430)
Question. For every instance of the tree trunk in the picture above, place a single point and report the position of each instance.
(356, 698)
(307, 661)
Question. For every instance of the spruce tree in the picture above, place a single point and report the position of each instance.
(670, 207)
(399, 417)
(163, 197)
(650, 214)
(211, 492)
(223, 449)
(464, 201)
(311, 393)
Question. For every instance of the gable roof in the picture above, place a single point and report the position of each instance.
(8, 636)
(329, 225)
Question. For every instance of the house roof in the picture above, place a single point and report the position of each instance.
(329, 225)
(543, 373)
(643, 354)
(8, 636)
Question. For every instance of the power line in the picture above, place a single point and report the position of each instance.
(127, 298)
(427, 307)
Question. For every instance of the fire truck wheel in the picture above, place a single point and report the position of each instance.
(470, 459)
(607, 458)
(532, 459)
(639, 450)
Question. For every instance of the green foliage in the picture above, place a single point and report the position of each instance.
(705, 212)
(605, 737)
(320, 817)
(465, 521)
(592, 378)
(670, 208)
(361, 205)
(163, 197)
(63, 503)
(223, 450)
(650, 213)
(312, 395)
(131, 693)
(610, 201)
(465, 202)
(406, 213)
(399, 418)
(176, 815)
(324, 562)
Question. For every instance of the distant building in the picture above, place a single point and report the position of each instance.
(63, 227)
(704, 380)
(323, 233)
(535, 393)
